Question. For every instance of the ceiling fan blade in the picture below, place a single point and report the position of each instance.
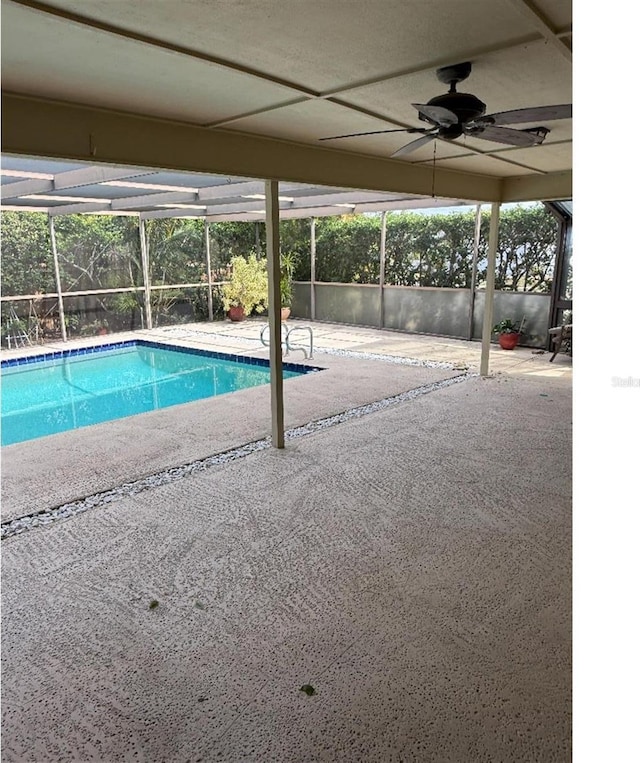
(534, 114)
(375, 132)
(438, 115)
(506, 135)
(415, 144)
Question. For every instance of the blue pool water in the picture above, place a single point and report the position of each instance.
(76, 388)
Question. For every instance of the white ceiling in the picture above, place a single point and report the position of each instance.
(300, 70)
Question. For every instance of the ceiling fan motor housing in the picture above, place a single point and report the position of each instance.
(464, 105)
(450, 132)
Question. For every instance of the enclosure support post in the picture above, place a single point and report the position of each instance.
(56, 269)
(275, 317)
(313, 268)
(474, 267)
(207, 246)
(145, 273)
(487, 322)
(558, 285)
(383, 248)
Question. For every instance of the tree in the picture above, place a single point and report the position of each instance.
(28, 269)
(527, 241)
(103, 252)
(27, 256)
(430, 250)
(295, 243)
(93, 252)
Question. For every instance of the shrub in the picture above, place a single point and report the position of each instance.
(248, 285)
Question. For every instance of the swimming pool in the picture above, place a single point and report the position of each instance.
(69, 389)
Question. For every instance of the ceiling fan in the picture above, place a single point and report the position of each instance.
(454, 114)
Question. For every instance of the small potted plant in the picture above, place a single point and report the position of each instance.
(288, 262)
(247, 288)
(95, 327)
(508, 333)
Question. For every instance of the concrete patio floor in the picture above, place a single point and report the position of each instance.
(412, 563)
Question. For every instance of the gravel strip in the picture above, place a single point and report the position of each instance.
(174, 474)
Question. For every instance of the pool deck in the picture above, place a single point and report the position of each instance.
(411, 561)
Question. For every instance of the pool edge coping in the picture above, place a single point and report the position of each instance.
(217, 354)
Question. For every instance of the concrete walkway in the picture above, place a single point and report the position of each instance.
(458, 352)
(411, 563)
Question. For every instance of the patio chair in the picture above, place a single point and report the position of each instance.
(16, 333)
(560, 337)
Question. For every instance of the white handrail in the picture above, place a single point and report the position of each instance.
(286, 343)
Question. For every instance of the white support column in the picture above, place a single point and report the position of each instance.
(145, 273)
(383, 251)
(275, 320)
(56, 270)
(474, 267)
(487, 322)
(207, 246)
(313, 268)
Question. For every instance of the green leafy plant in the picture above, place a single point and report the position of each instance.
(506, 326)
(288, 262)
(248, 285)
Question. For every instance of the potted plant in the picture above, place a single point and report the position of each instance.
(288, 262)
(247, 288)
(93, 328)
(508, 333)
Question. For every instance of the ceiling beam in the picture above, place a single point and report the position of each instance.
(239, 206)
(409, 204)
(153, 199)
(23, 208)
(25, 188)
(328, 199)
(232, 190)
(235, 217)
(329, 211)
(347, 197)
(69, 179)
(93, 176)
(542, 23)
(289, 214)
(126, 139)
(555, 185)
(79, 208)
(161, 214)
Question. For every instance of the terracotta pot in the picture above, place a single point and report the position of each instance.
(508, 341)
(236, 313)
(285, 312)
